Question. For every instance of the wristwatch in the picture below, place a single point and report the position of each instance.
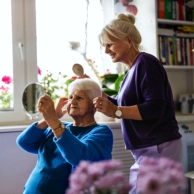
(118, 112)
(61, 127)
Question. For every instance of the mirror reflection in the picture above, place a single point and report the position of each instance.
(30, 98)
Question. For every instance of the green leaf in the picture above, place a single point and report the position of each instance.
(110, 92)
(64, 76)
(53, 80)
(118, 82)
(109, 79)
(68, 81)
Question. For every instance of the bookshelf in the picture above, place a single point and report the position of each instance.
(181, 76)
(179, 67)
(175, 22)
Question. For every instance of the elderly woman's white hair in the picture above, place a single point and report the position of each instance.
(87, 84)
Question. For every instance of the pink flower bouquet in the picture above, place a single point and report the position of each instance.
(156, 176)
(98, 178)
(160, 176)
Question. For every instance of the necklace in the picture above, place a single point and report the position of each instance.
(94, 122)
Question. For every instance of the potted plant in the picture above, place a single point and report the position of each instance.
(111, 83)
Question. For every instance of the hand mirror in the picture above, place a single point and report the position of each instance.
(78, 69)
(30, 98)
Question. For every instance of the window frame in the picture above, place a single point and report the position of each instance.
(25, 70)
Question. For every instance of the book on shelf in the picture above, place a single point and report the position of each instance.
(183, 51)
(186, 28)
(166, 47)
(181, 10)
(193, 49)
(168, 9)
(176, 9)
(184, 34)
(188, 51)
(189, 10)
(178, 51)
(171, 50)
(161, 9)
(166, 31)
(162, 52)
(175, 50)
(179, 30)
(166, 50)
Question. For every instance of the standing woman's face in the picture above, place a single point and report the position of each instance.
(80, 104)
(119, 51)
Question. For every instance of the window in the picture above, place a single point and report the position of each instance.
(6, 58)
(51, 35)
(12, 62)
(67, 34)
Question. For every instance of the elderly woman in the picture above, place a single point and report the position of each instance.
(62, 145)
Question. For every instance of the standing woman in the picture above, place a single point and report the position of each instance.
(145, 102)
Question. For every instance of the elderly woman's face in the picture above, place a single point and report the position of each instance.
(80, 104)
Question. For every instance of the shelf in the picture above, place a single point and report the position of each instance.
(175, 22)
(185, 118)
(177, 67)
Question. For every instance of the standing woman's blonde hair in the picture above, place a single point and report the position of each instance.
(119, 29)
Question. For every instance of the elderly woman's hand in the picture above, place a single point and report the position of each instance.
(47, 108)
(104, 106)
(60, 110)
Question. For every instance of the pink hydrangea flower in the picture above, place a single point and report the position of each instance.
(6, 79)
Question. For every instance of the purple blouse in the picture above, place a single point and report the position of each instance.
(146, 85)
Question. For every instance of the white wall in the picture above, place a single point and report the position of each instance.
(15, 164)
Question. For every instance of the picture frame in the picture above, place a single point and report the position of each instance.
(187, 103)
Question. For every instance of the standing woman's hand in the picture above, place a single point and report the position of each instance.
(104, 106)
